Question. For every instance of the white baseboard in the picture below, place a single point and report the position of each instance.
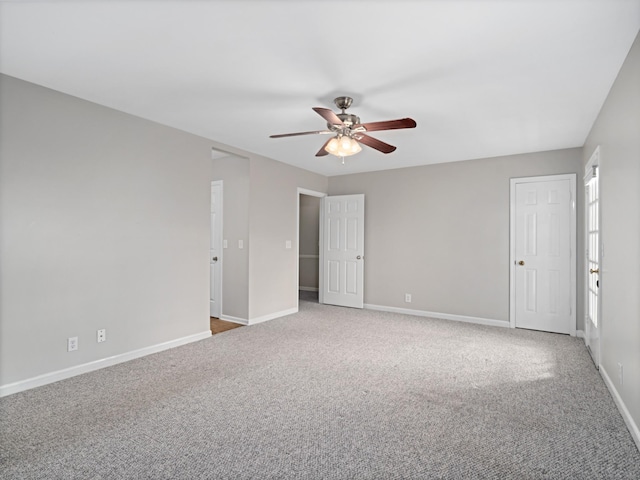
(580, 333)
(56, 376)
(628, 419)
(271, 316)
(308, 289)
(443, 316)
(229, 318)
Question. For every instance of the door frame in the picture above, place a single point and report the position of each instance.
(512, 243)
(311, 193)
(220, 235)
(594, 161)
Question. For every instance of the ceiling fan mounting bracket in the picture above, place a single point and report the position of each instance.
(343, 102)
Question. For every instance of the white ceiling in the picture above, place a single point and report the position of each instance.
(481, 78)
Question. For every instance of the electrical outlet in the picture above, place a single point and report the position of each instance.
(72, 344)
(407, 298)
(102, 335)
(620, 375)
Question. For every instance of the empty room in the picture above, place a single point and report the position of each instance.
(320, 239)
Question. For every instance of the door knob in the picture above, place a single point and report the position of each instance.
(592, 271)
(358, 257)
(521, 262)
(215, 259)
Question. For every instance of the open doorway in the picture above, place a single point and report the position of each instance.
(308, 244)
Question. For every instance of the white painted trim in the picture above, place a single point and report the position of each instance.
(308, 289)
(580, 333)
(321, 252)
(302, 255)
(312, 193)
(271, 316)
(443, 316)
(594, 160)
(512, 243)
(512, 253)
(56, 376)
(218, 153)
(628, 419)
(229, 318)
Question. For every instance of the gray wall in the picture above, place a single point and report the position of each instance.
(309, 237)
(617, 131)
(273, 220)
(441, 232)
(234, 172)
(260, 207)
(105, 224)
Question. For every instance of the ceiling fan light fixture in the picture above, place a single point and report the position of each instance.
(343, 146)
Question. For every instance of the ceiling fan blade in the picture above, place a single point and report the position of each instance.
(388, 125)
(328, 115)
(322, 152)
(374, 143)
(317, 132)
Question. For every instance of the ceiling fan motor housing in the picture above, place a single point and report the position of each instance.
(347, 118)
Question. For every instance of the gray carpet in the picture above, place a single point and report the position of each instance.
(330, 393)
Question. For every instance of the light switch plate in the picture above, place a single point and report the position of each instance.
(240, 244)
(224, 244)
(287, 244)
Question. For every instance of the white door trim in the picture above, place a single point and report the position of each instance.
(594, 161)
(512, 243)
(220, 237)
(311, 193)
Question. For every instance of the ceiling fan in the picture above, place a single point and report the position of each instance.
(348, 132)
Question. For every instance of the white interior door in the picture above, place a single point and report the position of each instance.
(342, 231)
(543, 254)
(592, 242)
(215, 250)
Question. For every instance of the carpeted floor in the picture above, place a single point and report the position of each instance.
(330, 393)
